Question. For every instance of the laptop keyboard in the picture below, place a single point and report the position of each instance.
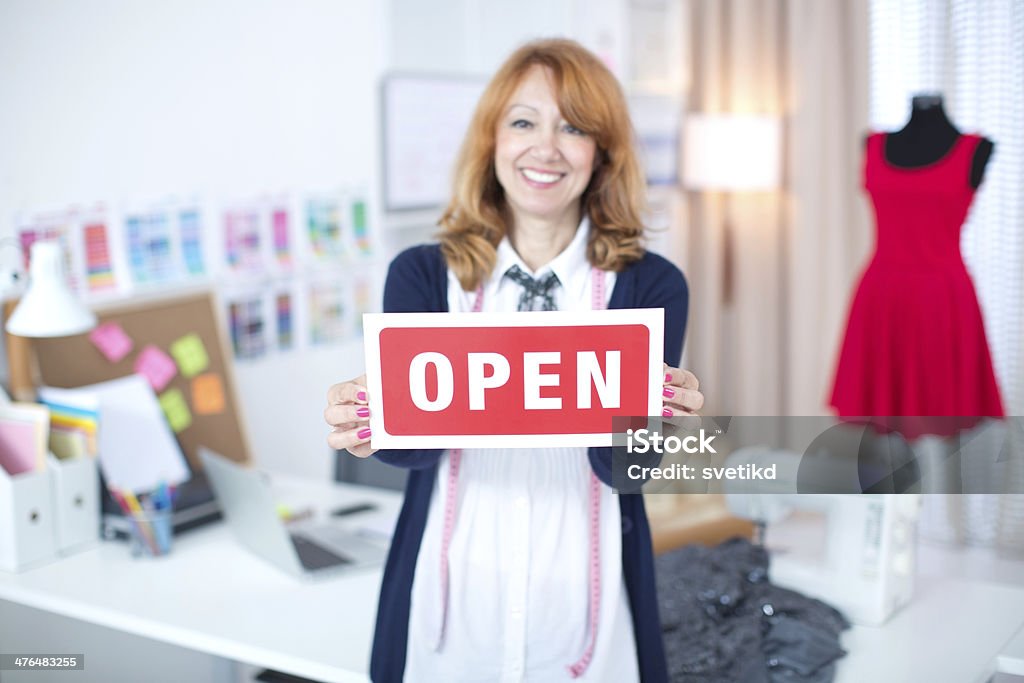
(315, 556)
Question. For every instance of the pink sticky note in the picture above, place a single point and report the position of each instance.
(156, 366)
(112, 341)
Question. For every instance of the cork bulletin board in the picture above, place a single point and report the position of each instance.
(206, 395)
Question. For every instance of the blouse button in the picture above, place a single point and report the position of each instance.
(627, 525)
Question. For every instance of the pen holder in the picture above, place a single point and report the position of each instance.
(152, 533)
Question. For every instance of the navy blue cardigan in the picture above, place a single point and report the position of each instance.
(418, 282)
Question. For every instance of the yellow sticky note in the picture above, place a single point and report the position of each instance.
(208, 394)
(190, 354)
(175, 409)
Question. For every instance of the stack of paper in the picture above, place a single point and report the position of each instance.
(74, 422)
(24, 430)
(137, 451)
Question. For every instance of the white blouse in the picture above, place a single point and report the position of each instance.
(518, 562)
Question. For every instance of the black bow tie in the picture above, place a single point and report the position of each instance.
(534, 291)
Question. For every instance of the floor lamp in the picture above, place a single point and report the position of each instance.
(730, 153)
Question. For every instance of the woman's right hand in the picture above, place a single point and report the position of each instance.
(348, 414)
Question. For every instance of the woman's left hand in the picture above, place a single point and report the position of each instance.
(681, 393)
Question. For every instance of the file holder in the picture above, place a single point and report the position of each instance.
(76, 505)
(27, 530)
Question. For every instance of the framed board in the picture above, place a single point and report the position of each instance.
(425, 120)
(215, 416)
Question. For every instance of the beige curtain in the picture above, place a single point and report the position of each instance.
(794, 255)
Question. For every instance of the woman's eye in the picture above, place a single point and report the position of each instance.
(569, 128)
(521, 123)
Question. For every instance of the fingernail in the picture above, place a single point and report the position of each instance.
(364, 433)
(668, 392)
(667, 412)
(668, 376)
(363, 412)
(361, 396)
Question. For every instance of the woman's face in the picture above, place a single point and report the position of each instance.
(542, 162)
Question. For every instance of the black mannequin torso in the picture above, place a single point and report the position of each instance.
(929, 136)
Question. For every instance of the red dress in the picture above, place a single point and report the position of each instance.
(915, 342)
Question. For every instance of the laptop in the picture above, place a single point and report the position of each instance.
(246, 499)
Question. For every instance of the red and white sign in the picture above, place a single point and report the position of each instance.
(458, 380)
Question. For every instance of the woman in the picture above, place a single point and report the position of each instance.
(519, 585)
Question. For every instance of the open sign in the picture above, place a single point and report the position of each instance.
(456, 380)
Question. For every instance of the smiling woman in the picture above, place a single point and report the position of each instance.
(523, 564)
(552, 108)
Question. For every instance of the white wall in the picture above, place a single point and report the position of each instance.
(123, 101)
(475, 36)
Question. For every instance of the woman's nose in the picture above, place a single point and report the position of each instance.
(545, 146)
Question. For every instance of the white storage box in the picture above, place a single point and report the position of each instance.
(76, 505)
(27, 531)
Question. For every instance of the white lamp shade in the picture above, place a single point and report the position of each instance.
(49, 307)
(731, 153)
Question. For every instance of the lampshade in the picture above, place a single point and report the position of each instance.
(49, 307)
(731, 153)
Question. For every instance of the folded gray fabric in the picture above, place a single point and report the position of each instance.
(724, 622)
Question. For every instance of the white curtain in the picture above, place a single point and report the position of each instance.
(795, 254)
(972, 51)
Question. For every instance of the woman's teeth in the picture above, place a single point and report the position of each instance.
(539, 177)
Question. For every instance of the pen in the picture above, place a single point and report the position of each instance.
(126, 509)
(165, 521)
(353, 509)
(145, 527)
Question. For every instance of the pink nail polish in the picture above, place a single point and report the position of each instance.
(668, 392)
(668, 376)
(363, 412)
(361, 396)
(363, 433)
(667, 412)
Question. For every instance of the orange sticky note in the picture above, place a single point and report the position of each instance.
(208, 394)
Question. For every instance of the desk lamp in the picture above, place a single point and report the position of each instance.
(48, 309)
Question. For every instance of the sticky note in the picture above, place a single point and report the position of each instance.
(175, 409)
(208, 394)
(156, 366)
(112, 341)
(190, 354)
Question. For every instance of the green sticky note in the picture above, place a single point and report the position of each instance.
(190, 355)
(175, 409)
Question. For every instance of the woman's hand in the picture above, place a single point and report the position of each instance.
(680, 393)
(349, 416)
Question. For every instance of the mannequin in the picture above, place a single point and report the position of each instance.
(928, 136)
(915, 346)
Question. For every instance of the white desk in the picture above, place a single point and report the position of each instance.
(954, 631)
(1011, 657)
(213, 596)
